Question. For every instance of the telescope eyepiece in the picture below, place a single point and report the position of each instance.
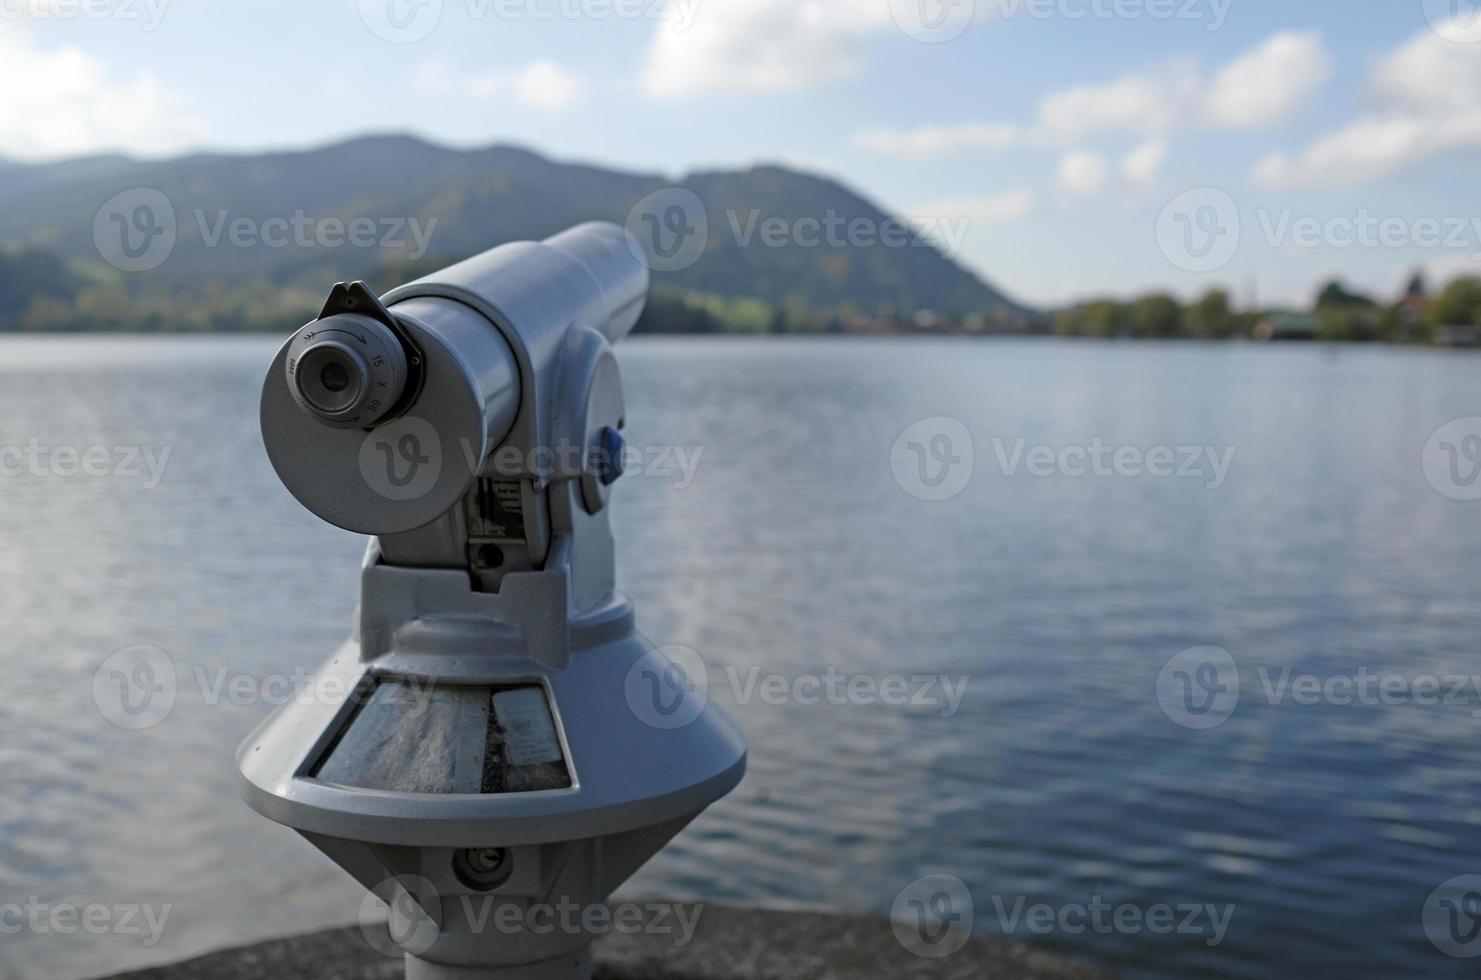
(331, 379)
(347, 370)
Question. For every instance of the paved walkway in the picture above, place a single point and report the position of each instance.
(729, 944)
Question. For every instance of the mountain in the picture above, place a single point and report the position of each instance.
(21, 179)
(478, 198)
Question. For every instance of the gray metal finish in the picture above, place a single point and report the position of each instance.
(627, 773)
(488, 710)
(352, 477)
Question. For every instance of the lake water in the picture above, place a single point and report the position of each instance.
(1060, 779)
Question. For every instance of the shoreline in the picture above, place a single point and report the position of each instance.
(1047, 339)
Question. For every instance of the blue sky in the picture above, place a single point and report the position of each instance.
(1081, 147)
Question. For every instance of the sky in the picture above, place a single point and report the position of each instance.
(1075, 148)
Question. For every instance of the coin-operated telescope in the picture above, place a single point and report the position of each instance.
(491, 743)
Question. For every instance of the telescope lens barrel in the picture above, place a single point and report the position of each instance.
(617, 265)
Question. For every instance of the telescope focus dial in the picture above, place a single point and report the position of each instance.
(347, 370)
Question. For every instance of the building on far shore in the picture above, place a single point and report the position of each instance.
(1285, 326)
(1413, 309)
(1460, 335)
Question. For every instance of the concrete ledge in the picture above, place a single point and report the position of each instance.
(729, 944)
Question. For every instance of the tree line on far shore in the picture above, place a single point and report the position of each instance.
(1336, 314)
(41, 293)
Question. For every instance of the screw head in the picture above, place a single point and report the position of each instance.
(486, 860)
(482, 868)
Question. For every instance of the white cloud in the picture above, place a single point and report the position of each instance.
(542, 84)
(1084, 172)
(1269, 83)
(1143, 164)
(978, 208)
(64, 102)
(1429, 74)
(1145, 103)
(1363, 151)
(1260, 87)
(761, 46)
(1427, 95)
(931, 141)
(546, 85)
